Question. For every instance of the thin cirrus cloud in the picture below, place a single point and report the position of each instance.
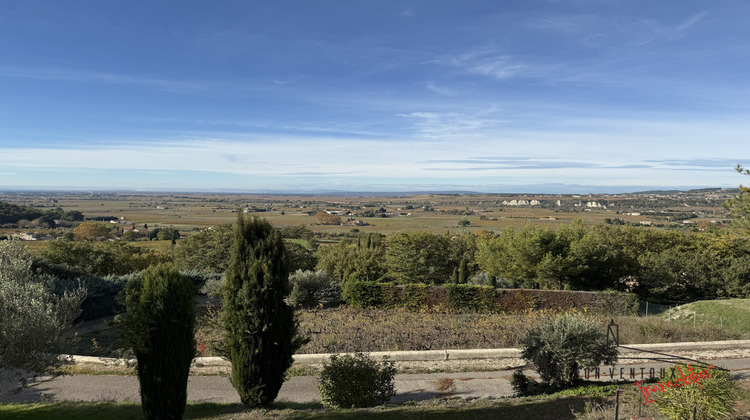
(438, 125)
(624, 32)
(83, 76)
(509, 164)
(483, 63)
(644, 31)
(693, 164)
(571, 24)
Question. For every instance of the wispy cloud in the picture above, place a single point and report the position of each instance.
(440, 90)
(407, 13)
(83, 76)
(566, 24)
(493, 164)
(639, 32)
(324, 173)
(722, 164)
(453, 125)
(484, 63)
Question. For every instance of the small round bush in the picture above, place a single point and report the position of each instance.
(311, 288)
(356, 381)
(564, 344)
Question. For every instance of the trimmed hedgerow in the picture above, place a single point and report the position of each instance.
(414, 296)
(473, 298)
(365, 294)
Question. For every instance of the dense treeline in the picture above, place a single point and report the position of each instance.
(659, 266)
(13, 213)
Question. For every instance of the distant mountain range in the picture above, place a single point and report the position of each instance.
(552, 189)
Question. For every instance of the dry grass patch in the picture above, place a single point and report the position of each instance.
(349, 330)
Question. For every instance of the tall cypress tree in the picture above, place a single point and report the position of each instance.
(159, 326)
(259, 326)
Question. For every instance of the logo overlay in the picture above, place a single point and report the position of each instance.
(692, 377)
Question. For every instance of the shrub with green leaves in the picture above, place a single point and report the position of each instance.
(711, 400)
(159, 326)
(356, 381)
(311, 288)
(564, 344)
(481, 279)
(35, 324)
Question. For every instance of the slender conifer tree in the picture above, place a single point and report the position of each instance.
(259, 326)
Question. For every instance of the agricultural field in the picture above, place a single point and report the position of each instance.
(436, 213)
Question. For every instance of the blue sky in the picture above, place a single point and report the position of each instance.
(303, 96)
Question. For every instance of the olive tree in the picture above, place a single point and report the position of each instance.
(564, 344)
(35, 324)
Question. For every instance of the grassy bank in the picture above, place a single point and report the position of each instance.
(730, 314)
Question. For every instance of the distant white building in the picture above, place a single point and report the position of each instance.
(521, 203)
(33, 236)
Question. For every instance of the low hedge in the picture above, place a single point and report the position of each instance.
(472, 298)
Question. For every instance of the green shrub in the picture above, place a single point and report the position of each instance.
(311, 288)
(481, 279)
(471, 297)
(101, 292)
(564, 344)
(200, 278)
(356, 381)
(713, 398)
(159, 326)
